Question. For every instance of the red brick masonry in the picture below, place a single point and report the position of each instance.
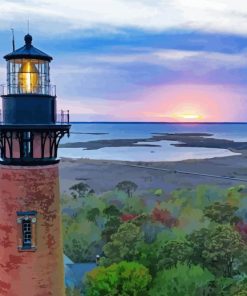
(31, 273)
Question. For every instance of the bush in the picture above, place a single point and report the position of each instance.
(122, 279)
(181, 280)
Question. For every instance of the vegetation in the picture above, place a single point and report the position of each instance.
(119, 279)
(128, 187)
(188, 242)
(182, 280)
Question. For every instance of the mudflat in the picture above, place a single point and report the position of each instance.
(103, 175)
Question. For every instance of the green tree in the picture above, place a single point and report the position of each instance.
(174, 252)
(221, 286)
(80, 190)
(111, 227)
(124, 244)
(219, 249)
(92, 214)
(111, 211)
(128, 187)
(82, 239)
(222, 213)
(239, 288)
(122, 279)
(182, 280)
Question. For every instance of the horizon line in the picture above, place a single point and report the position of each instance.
(161, 122)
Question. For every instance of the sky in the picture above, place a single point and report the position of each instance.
(138, 60)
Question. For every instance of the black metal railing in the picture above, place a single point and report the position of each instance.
(14, 89)
(63, 117)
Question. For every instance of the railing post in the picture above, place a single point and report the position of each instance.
(68, 116)
(2, 89)
(62, 116)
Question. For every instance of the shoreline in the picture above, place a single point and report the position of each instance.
(189, 140)
(103, 175)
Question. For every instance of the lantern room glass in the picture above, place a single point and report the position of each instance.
(28, 76)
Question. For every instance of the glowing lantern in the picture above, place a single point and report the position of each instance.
(28, 77)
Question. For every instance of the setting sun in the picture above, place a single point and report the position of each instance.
(190, 116)
(187, 116)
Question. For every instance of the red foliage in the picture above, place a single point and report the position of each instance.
(241, 227)
(128, 217)
(164, 217)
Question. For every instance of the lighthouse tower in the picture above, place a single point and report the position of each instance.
(31, 252)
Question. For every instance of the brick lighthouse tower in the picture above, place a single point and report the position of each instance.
(31, 252)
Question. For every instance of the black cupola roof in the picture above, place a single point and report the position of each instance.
(28, 51)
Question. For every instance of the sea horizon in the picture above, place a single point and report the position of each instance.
(159, 122)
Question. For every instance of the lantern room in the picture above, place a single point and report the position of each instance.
(28, 70)
(29, 131)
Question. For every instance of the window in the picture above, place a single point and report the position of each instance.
(26, 222)
(27, 233)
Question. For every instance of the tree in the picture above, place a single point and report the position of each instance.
(111, 211)
(182, 280)
(222, 213)
(239, 289)
(128, 187)
(80, 190)
(92, 214)
(222, 286)
(82, 239)
(122, 279)
(164, 216)
(111, 227)
(218, 249)
(124, 244)
(174, 252)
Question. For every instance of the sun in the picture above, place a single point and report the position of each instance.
(188, 117)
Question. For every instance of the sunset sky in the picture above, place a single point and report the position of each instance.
(139, 60)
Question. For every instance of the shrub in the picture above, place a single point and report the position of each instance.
(122, 279)
(181, 280)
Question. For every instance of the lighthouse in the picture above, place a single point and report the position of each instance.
(31, 250)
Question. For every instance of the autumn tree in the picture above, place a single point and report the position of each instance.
(164, 216)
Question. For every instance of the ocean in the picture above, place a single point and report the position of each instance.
(84, 132)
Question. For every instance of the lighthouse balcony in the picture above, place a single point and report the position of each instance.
(32, 145)
(17, 89)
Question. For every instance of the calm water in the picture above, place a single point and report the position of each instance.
(83, 132)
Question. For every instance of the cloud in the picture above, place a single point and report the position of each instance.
(165, 103)
(175, 59)
(224, 16)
